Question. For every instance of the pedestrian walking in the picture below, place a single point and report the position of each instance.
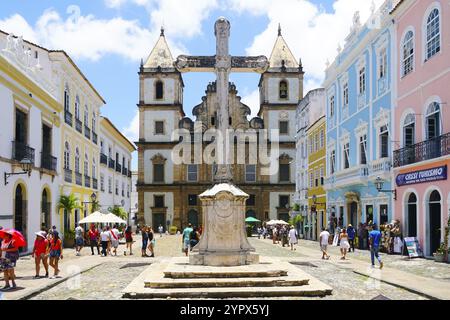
(186, 238)
(144, 234)
(323, 241)
(293, 237)
(351, 237)
(160, 230)
(94, 239)
(194, 238)
(129, 240)
(274, 235)
(344, 243)
(374, 243)
(40, 253)
(9, 254)
(56, 253)
(105, 237)
(151, 242)
(79, 239)
(115, 239)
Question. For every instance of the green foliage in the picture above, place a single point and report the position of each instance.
(69, 203)
(69, 234)
(120, 212)
(296, 207)
(95, 205)
(297, 219)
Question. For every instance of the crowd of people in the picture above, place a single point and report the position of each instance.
(286, 235)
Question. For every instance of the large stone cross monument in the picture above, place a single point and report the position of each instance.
(224, 241)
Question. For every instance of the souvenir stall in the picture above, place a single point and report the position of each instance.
(392, 240)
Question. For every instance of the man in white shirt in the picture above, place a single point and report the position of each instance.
(105, 237)
(115, 239)
(323, 240)
(79, 239)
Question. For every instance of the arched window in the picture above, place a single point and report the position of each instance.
(77, 108)
(433, 34)
(67, 156)
(433, 127)
(66, 98)
(86, 165)
(159, 90)
(408, 53)
(77, 161)
(409, 129)
(283, 89)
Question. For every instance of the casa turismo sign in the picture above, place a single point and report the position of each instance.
(433, 174)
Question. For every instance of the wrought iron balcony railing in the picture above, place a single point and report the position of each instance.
(94, 137)
(87, 181)
(78, 178)
(21, 151)
(87, 132)
(68, 175)
(118, 167)
(95, 184)
(103, 159)
(78, 125)
(124, 171)
(48, 161)
(68, 117)
(111, 163)
(425, 150)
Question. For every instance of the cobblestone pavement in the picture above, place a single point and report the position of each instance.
(108, 280)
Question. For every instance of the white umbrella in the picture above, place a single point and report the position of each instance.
(282, 222)
(94, 217)
(271, 222)
(112, 218)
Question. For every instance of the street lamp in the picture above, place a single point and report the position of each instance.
(314, 199)
(25, 164)
(379, 185)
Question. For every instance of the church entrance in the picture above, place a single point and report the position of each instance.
(193, 218)
(158, 219)
(353, 214)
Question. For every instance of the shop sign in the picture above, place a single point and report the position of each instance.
(413, 247)
(427, 175)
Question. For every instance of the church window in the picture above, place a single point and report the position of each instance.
(284, 127)
(159, 201)
(283, 89)
(158, 172)
(382, 64)
(159, 90)
(192, 199)
(192, 172)
(159, 127)
(250, 173)
(433, 34)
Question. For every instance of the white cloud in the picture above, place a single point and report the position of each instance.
(252, 100)
(19, 26)
(132, 130)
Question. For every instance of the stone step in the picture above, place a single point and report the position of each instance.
(287, 281)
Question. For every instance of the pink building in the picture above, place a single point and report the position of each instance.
(422, 119)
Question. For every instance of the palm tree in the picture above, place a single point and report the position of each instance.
(120, 212)
(68, 203)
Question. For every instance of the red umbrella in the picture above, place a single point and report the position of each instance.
(19, 240)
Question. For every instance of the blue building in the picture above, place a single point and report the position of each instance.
(360, 97)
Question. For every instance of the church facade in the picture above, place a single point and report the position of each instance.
(168, 191)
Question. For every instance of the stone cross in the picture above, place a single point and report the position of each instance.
(222, 64)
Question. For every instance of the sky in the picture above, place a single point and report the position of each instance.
(108, 38)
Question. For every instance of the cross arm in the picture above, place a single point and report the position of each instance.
(195, 63)
(258, 64)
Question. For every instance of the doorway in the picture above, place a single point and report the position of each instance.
(434, 211)
(412, 215)
(159, 219)
(353, 214)
(45, 210)
(193, 217)
(20, 212)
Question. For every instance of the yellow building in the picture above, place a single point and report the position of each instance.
(316, 175)
(79, 137)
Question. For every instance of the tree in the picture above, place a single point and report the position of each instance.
(69, 203)
(95, 205)
(120, 212)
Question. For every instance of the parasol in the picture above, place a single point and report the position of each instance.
(19, 240)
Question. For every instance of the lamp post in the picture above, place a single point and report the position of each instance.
(379, 185)
(25, 164)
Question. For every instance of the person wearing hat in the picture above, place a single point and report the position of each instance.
(40, 253)
(351, 237)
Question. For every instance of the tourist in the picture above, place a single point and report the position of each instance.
(151, 242)
(293, 237)
(40, 253)
(360, 236)
(93, 239)
(108, 229)
(194, 238)
(56, 252)
(79, 239)
(105, 238)
(323, 240)
(351, 237)
(344, 243)
(160, 230)
(374, 245)
(144, 242)
(186, 238)
(9, 254)
(200, 230)
(274, 235)
(115, 239)
(128, 240)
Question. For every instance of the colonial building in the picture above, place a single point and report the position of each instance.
(115, 167)
(359, 129)
(422, 120)
(167, 191)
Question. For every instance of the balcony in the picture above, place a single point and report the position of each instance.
(103, 159)
(87, 181)
(124, 171)
(111, 163)
(381, 166)
(356, 175)
(78, 125)
(68, 117)
(95, 184)
(78, 178)
(68, 175)
(22, 151)
(118, 167)
(48, 161)
(94, 137)
(425, 150)
(87, 132)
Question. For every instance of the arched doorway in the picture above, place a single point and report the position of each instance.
(45, 210)
(412, 215)
(193, 217)
(434, 212)
(20, 210)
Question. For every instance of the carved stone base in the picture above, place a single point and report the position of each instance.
(224, 259)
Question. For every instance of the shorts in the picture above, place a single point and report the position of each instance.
(115, 243)
(323, 247)
(129, 240)
(6, 264)
(79, 242)
(55, 253)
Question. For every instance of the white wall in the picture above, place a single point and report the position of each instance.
(274, 118)
(274, 201)
(170, 119)
(169, 91)
(148, 203)
(293, 93)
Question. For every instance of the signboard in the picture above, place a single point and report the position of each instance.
(427, 175)
(413, 247)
